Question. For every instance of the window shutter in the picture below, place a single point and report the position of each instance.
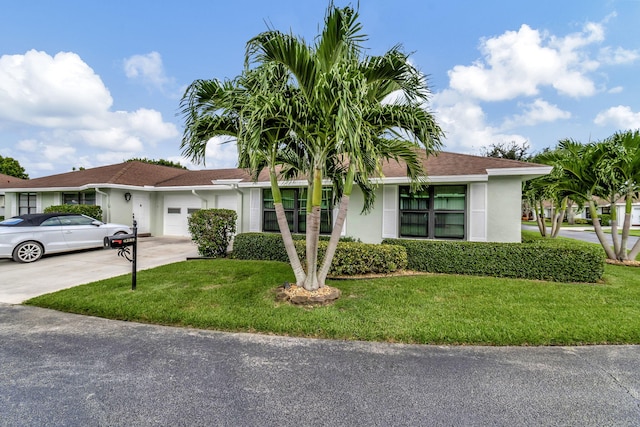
(255, 210)
(478, 212)
(390, 211)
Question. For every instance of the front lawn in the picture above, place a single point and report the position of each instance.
(234, 295)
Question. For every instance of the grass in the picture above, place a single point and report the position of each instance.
(633, 232)
(234, 295)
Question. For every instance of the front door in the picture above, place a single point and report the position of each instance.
(141, 212)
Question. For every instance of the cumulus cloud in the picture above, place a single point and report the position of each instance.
(147, 68)
(64, 107)
(50, 91)
(221, 153)
(519, 63)
(539, 111)
(621, 116)
(465, 124)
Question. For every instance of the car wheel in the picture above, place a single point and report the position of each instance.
(27, 252)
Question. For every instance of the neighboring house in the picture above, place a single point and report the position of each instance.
(469, 198)
(604, 208)
(5, 179)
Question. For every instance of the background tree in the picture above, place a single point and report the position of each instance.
(159, 162)
(511, 150)
(10, 166)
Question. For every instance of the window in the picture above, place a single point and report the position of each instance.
(174, 210)
(294, 202)
(79, 198)
(436, 213)
(26, 203)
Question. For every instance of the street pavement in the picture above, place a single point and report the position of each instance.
(59, 369)
(62, 369)
(579, 233)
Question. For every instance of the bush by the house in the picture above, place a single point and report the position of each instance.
(541, 260)
(89, 210)
(581, 221)
(605, 220)
(212, 230)
(351, 258)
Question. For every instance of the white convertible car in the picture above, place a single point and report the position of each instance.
(26, 238)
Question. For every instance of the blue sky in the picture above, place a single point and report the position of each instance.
(87, 83)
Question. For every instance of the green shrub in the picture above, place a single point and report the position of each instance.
(534, 259)
(351, 258)
(605, 220)
(580, 221)
(212, 230)
(89, 210)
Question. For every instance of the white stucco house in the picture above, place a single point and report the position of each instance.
(469, 198)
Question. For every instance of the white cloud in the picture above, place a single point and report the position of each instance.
(59, 91)
(64, 107)
(147, 68)
(611, 56)
(539, 111)
(465, 125)
(519, 63)
(617, 89)
(221, 153)
(621, 116)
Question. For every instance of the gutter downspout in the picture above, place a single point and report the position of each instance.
(206, 202)
(102, 193)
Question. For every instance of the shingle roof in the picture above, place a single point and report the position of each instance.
(138, 174)
(6, 179)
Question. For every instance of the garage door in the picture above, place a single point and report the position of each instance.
(176, 214)
(635, 216)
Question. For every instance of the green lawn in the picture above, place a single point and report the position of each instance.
(233, 295)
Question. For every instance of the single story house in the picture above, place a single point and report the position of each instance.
(468, 198)
(5, 179)
(603, 207)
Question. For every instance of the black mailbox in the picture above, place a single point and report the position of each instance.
(119, 241)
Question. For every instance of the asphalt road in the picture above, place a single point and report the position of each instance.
(68, 370)
(581, 234)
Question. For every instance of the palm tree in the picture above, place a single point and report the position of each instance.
(625, 150)
(346, 123)
(323, 112)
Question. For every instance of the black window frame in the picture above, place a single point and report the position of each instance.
(294, 202)
(80, 197)
(29, 208)
(422, 205)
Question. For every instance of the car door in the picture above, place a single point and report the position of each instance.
(49, 233)
(80, 232)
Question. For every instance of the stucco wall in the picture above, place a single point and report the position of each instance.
(504, 209)
(366, 227)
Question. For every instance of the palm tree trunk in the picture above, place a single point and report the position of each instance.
(313, 232)
(598, 229)
(626, 226)
(614, 228)
(557, 221)
(540, 219)
(289, 246)
(337, 227)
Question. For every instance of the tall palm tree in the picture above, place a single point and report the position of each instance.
(346, 121)
(625, 147)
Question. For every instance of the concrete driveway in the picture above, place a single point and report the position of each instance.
(19, 282)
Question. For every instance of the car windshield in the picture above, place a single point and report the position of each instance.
(11, 221)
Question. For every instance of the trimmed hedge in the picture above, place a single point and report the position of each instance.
(89, 210)
(351, 258)
(536, 260)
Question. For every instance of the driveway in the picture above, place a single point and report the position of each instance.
(19, 282)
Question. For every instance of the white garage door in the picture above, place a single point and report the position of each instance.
(176, 213)
(635, 216)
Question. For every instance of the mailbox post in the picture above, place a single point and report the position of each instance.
(126, 243)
